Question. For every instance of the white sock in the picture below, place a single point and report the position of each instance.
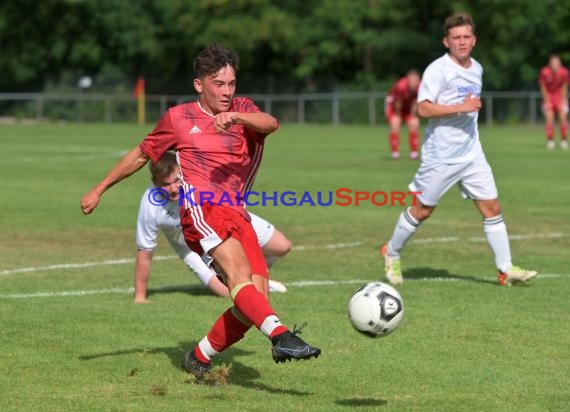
(498, 238)
(405, 229)
(207, 349)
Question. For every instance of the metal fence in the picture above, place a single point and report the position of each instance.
(323, 108)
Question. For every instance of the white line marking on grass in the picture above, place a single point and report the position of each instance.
(332, 246)
(301, 284)
(484, 239)
(131, 260)
(79, 265)
(328, 247)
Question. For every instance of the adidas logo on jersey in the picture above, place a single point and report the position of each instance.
(195, 129)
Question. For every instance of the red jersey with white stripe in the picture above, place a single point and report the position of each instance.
(553, 81)
(217, 168)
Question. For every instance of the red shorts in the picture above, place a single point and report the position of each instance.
(205, 227)
(556, 103)
(405, 113)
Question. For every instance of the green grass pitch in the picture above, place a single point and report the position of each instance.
(71, 338)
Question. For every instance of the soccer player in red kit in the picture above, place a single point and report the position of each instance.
(219, 142)
(400, 106)
(553, 81)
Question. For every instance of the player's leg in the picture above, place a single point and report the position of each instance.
(395, 123)
(431, 183)
(273, 242)
(549, 125)
(478, 183)
(413, 123)
(498, 239)
(274, 245)
(238, 257)
(563, 117)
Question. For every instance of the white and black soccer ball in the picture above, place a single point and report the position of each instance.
(376, 309)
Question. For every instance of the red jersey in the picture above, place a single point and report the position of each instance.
(217, 168)
(401, 92)
(553, 81)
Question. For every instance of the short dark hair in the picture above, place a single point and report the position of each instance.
(163, 167)
(456, 20)
(213, 58)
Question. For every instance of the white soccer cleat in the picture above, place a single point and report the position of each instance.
(564, 144)
(276, 287)
(550, 145)
(392, 268)
(516, 275)
(413, 155)
(395, 155)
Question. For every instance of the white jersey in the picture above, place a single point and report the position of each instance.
(455, 138)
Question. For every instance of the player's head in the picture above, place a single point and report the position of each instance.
(459, 36)
(414, 78)
(164, 174)
(554, 62)
(215, 81)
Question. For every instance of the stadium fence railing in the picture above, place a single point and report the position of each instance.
(499, 107)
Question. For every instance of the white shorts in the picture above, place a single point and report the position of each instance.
(263, 229)
(475, 180)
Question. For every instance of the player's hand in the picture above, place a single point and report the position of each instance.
(547, 106)
(223, 121)
(89, 202)
(472, 103)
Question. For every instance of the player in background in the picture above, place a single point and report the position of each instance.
(164, 216)
(219, 142)
(450, 97)
(401, 107)
(553, 81)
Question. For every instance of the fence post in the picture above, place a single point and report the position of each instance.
(371, 109)
(532, 108)
(301, 109)
(108, 116)
(335, 109)
(40, 108)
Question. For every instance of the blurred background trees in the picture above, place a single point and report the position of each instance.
(284, 46)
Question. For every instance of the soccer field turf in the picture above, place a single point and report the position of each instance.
(71, 338)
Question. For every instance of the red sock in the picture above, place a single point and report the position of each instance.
(253, 305)
(414, 141)
(227, 330)
(564, 131)
(550, 132)
(394, 141)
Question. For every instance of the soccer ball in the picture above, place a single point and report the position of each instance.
(376, 309)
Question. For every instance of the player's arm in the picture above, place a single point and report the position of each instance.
(564, 94)
(545, 95)
(429, 109)
(206, 275)
(397, 106)
(257, 121)
(142, 273)
(414, 108)
(132, 162)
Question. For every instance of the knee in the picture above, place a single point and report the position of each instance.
(285, 247)
(421, 213)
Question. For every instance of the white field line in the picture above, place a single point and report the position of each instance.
(332, 246)
(301, 284)
(131, 260)
(483, 239)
